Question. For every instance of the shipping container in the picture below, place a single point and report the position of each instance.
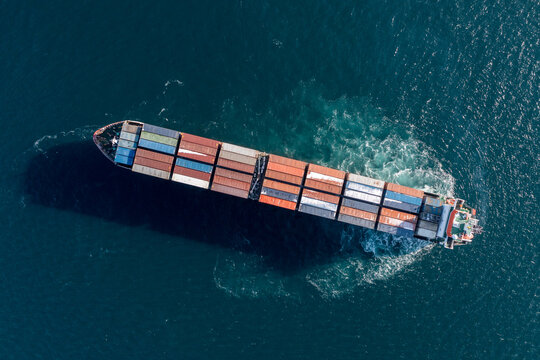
(121, 159)
(430, 234)
(395, 204)
(283, 177)
(356, 221)
(318, 185)
(203, 149)
(161, 131)
(125, 152)
(432, 210)
(395, 230)
(190, 181)
(358, 213)
(155, 156)
(427, 225)
(364, 188)
(324, 178)
(396, 222)
(277, 202)
(129, 136)
(317, 211)
(194, 165)
(232, 183)
(360, 205)
(399, 215)
(150, 171)
(366, 180)
(318, 203)
(405, 190)
(192, 173)
(433, 202)
(127, 144)
(157, 146)
(362, 196)
(327, 171)
(239, 150)
(287, 161)
(430, 217)
(279, 194)
(234, 175)
(159, 139)
(237, 157)
(403, 198)
(281, 186)
(236, 165)
(200, 140)
(285, 169)
(192, 155)
(321, 196)
(134, 129)
(230, 190)
(154, 164)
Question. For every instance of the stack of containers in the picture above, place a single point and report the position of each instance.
(127, 144)
(360, 205)
(430, 218)
(153, 163)
(325, 187)
(403, 198)
(159, 139)
(236, 165)
(397, 222)
(197, 156)
(282, 179)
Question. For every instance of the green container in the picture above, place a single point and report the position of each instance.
(159, 138)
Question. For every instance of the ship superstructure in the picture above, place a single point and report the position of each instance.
(287, 183)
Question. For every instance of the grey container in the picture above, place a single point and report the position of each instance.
(430, 217)
(317, 211)
(395, 204)
(237, 157)
(428, 225)
(395, 230)
(129, 136)
(426, 233)
(359, 205)
(127, 144)
(364, 188)
(161, 131)
(279, 194)
(356, 221)
(150, 171)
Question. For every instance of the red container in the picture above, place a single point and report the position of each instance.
(192, 173)
(327, 171)
(233, 175)
(168, 159)
(200, 140)
(283, 177)
(405, 190)
(399, 215)
(287, 161)
(229, 190)
(232, 183)
(281, 186)
(203, 149)
(203, 158)
(154, 164)
(277, 202)
(358, 213)
(320, 196)
(285, 169)
(236, 165)
(319, 185)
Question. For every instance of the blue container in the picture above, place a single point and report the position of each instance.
(121, 159)
(152, 145)
(161, 131)
(403, 198)
(400, 205)
(433, 210)
(194, 165)
(125, 152)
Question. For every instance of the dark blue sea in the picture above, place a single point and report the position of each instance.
(100, 263)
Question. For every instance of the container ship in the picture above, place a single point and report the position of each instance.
(287, 183)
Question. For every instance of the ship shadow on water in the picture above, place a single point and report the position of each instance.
(76, 177)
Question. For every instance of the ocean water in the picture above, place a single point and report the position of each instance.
(99, 263)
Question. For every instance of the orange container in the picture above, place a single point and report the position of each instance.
(287, 161)
(285, 169)
(154, 164)
(233, 175)
(200, 140)
(396, 222)
(192, 173)
(327, 171)
(358, 213)
(405, 190)
(320, 196)
(202, 157)
(281, 186)
(319, 185)
(203, 149)
(231, 182)
(236, 165)
(230, 190)
(277, 202)
(283, 177)
(399, 215)
(168, 159)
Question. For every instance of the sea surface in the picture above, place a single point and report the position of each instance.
(100, 263)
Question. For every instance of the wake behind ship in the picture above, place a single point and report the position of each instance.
(287, 183)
